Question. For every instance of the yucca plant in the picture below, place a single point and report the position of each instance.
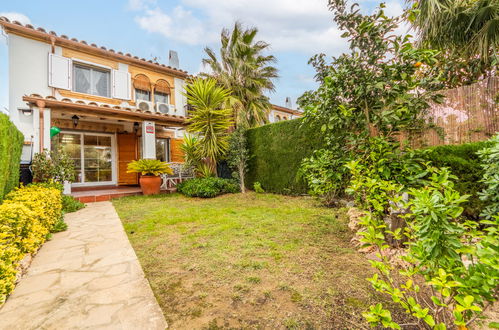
(152, 167)
(210, 119)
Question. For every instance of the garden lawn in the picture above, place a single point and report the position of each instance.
(248, 261)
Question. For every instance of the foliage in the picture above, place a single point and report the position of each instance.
(238, 155)
(468, 27)
(450, 261)
(27, 216)
(189, 149)
(70, 204)
(490, 165)
(149, 167)
(207, 187)
(464, 162)
(203, 170)
(54, 165)
(276, 152)
(11, 143)
(257, 187)
(325, 174)
(376, 90)
(210, 119)
(246, 72)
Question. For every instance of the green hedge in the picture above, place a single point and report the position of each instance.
(11, 144)
(276, 154)
(464, 163)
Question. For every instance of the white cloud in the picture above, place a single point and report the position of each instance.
(288, 25)
(13, 16)
(140, 4)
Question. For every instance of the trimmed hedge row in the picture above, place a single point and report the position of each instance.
(463, 161)
(27, 216)
(208, 187)
(276, 153)
(11, 143)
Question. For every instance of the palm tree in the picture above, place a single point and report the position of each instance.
(243, 69)
(466, 27)
(210, 118)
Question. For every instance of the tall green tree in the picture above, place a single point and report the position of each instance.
(243, 68)
(465, 31)
(210, 118)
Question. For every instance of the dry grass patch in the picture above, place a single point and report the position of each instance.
(248, 261)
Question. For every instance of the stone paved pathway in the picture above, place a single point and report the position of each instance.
(87, 277)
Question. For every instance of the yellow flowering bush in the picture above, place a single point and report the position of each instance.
(27, 216)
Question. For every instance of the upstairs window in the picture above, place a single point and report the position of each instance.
(161, 97)
(141, 94)
(91, 80)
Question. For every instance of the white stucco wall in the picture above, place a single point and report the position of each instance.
(28, 74)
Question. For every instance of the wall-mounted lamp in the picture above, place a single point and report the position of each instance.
(135, 127)
(26, 111)
(75, 120)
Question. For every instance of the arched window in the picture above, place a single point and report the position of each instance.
(162, 91)
(278, 118)
(142, 86)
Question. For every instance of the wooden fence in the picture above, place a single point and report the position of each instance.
(468, 114)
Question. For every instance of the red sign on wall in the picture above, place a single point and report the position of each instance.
(150, 128)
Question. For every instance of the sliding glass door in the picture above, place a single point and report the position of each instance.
(93, 155)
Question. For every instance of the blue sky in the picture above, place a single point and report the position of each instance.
(296, 30)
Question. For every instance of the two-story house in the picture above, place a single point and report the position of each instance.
(110, 107)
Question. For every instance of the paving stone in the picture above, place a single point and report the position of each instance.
(87, 277)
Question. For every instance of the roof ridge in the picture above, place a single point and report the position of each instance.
(51, 34)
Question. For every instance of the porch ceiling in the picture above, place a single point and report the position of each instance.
(95, 110)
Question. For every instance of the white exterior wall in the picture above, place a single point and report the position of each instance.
(28, 74)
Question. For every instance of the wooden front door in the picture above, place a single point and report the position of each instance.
(127, 151)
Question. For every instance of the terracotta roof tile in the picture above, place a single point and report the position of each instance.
(40, 32)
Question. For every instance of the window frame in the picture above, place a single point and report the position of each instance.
(92, 67)
(142, 90)
(162, 94)
(166, 148)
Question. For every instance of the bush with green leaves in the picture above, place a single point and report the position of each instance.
(55, 165)
(70, 204)
(276, 153)
(207, 187)
(238, 155)
(464, 162)
(257, 187)
(490, 165)
(449, 273)
(11, 144)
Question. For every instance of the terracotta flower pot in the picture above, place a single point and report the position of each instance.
(150, 184)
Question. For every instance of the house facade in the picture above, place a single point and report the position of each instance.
(109, 107)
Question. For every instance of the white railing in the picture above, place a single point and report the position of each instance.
(180, 173)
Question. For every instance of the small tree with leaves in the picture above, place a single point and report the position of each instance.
(239, 155)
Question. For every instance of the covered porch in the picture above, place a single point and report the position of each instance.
(102, 140)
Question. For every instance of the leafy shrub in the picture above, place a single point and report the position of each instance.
(27, 216)
(207, 187)
(490, 165)
(257, 187)
(11, 143)
(452, 262)
(464, 162)
(70, 204)
(276, 152)
(55, 165)
(149, 167)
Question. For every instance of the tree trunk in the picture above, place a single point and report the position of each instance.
(241, 179)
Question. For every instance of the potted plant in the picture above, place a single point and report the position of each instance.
(150, 169)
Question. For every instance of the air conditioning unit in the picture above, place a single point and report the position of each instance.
(165, 108)
(145, 105)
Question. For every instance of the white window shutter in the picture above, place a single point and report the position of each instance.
(121, 85)
(60, 71)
